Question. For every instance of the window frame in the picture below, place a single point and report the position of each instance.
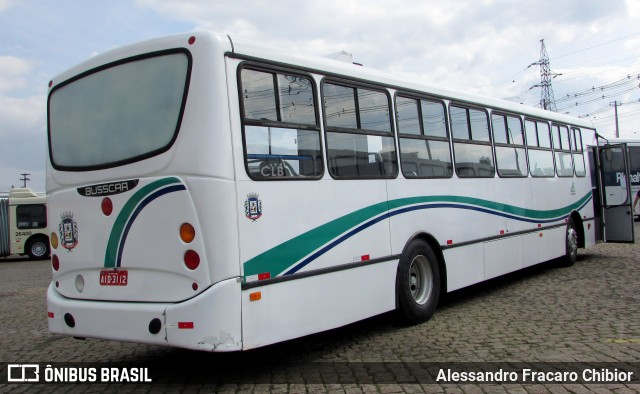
(558, 127)
(538, 147)
(278, 124)
(468, 107)
(423, 136)
(22, 207)
(508, 144)
(576, 152)
(353, 84)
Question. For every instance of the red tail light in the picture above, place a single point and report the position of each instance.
(191, 259)
(107, 206)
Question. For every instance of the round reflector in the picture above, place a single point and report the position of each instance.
(107, 206)
(187, 233)
(54, 240)
(55, 262)
(79, 283)
(191, 259)
(192, 39)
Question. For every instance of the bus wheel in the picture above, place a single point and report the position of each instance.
(418, 282)
(38, 248)
(571, 245)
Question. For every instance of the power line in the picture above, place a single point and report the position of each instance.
(626, 82)
(593, 100)
(595, 46)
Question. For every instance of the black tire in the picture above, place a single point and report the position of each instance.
(571, 245)
(38, 248)
(418, 282)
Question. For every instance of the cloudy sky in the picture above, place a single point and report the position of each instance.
(482, 46)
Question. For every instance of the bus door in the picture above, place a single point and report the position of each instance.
(5, 248)
(614, 192)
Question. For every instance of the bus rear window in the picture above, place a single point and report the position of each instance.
(120, 113)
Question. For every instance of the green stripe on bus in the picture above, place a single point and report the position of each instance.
(509, 209)
(277, 259)
(125, 214)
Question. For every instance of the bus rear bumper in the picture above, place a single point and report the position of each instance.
(210, 321)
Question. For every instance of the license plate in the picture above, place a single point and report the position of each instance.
(114, 278)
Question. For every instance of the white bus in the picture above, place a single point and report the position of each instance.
(23, 224)
(215, 194)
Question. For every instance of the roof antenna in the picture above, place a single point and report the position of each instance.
(24, 179)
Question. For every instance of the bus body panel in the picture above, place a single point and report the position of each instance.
(209, 321)
(100, 319)
(204, 124)
(140, 237)
(322, 235)
(299, 307)
(215, 316)
(465, 266)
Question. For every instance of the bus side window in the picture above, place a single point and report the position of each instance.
(424, 141)
(539, 149)
(281, 128)
(471, 142)
(562, 148)
(578, 153)
(360, 142)
(508, 136)
(31, 216)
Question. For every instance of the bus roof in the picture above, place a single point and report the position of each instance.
(24, 195)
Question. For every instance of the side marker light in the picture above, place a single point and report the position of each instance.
(257, 296)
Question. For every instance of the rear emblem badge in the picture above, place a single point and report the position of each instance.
(68, 231)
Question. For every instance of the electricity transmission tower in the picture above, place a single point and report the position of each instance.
(547, 101)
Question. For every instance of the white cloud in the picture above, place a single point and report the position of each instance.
(6, 4)
(633, 6)
(22, 140)
(14, 73)
(23, 115)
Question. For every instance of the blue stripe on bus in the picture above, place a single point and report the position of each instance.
(387, 215)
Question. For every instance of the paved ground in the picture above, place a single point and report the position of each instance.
(544, 317)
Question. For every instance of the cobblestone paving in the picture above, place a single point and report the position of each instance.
(587, 313)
